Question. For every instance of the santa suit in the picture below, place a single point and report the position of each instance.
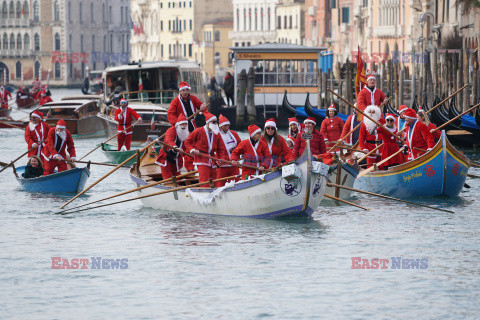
(300, 129)
(390, 146)
(55, 145)
(178, 106)
(436, 134)
(255, 155)
(34, 134)
(170, 160)
(418, 136)
(277, 151)
(205, 142)
(351, 123)
(45, 99)
(366, 97)
(124, 120)
(4, 94)
(317, 144)
(331, 129)
(369, 142)
(228, 142)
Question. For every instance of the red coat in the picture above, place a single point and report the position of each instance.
(45, 99)
(253, 156)
(39, 133)
(177, 107)
(317, 144)
(67, 145)
(224, 153)
(276, 152)
(418, 136)
(390, 146)
(198, 140)
(4, 98)
(332, 129)
(125, 119)
(364, 98)
(347, 127)
(368, 141)
(170, 139)
(436, 134)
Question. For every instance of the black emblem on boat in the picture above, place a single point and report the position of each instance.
(292, 188)
(317, 185)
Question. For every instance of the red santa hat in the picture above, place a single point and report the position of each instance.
(222, 121)
(291, 139)
(181, 120)
(293, 120)
(370, 74)
(184, 85)
(389, 116)
(124, 101)
(253, 130)
(37, 114)
(410, 114)
(209, 117)
(61, 124)
(402, 108)
(43, 93)
(271, 123)
(311, 120)
(332, 107)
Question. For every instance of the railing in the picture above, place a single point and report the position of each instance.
(22, 22)
(153, 96)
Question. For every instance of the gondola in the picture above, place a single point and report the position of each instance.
(318, 114)
(390, 109)
(288, 107)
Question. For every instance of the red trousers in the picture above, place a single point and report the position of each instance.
(169, 170)
(52, 164)
(371, 161)
(188, 163)
(205, 173)
(223, 172)
(124, 139)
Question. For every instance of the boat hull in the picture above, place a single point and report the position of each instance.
(344, 175)
(117, 157)
(140, 131)
(88, 127)
(70, 181)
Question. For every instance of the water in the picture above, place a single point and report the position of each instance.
(190, 267)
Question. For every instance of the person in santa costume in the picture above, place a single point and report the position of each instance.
(317, 143)
(4, 97)
(124, 116)
(369, 137)
(229, 141)
(370, 95)
(186, 104)
(279, 151)
(59, 141)
(36, 131)
(171, 160)
(423, 117)
(206, 140)
(332, 126)
(400, 120)
(44, 98)
(253, 151)
(294, 128)
(418, 135)
(290, 142)
(350, 124)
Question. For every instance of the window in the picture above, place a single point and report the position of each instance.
(161, 50)
(56, 11)
(104, 43)
(26, 10)
(5, 41)
(161, 25)
(111, 42)
(121, 14)
(191, 24)
(184, 49)
(279, 22)
(93, 43)
(36, 11)
(69, 11)
(333, 4)
(19, 10)
(4, 10)
(57, 71)
(26, 42)
(291, 22)
(57, 41)
(244, 19)
(173, 4)
(19, 42)
(104, 13)
(36, 40)
(82, 47)
(345, 15)
(190, 4)
(261, 19)
(285, 23)
(249, 19)
(37, 69)
(190, 47)
(169, 49)
(217, 35)
(110, 14)
(12, 10)
(12, 41)
(268, 20)
(18, 70)
(256, 20)
(169, 25)
(70, 43)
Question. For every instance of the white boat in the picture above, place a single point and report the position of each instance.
(343, 175)
(295, 190)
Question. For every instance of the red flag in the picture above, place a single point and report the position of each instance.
(361, 78)
(152, 122)
(140, 82)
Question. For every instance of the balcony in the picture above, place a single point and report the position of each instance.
(14, 22)
(253, 35)
(16, 53)
(389, 31)
(312, 11)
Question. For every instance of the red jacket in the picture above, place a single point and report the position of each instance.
(224, 153)
(436, 134)
(276, 152)
(390, 146)
(39, 133)
(67, 145)
(368, 141)
(332, 129)
(365, 98)
(125, 119)
(317, 144)
(45, 99)
(177, 107)
(167, 153)
(418, 136)
(198, 140)
(347, 127)
(4, 98)
(253, 156)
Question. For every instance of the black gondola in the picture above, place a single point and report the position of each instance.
(288, 107)
(309, 110)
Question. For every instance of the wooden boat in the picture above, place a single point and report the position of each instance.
(344, 175)
(270, 197)
(69, 181)
(25, 100)
(5, 113)
(440, 172)
(10, 124)
(80, 117)
(117, 157)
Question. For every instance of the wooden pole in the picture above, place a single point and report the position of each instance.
(364, 172)
(345, 137)
(12, 125)
(460, 115)
(345, 201)
(251, 110)
(371, 152)
(447, 98)
(23, 154)
(240, 109)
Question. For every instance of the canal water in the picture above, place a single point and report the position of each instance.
(150, 264)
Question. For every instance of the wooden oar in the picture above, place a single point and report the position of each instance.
(230, 162)
(460, 115)
(23, 154)
(95, 163)
(371, 152)
(345, 201)
(158, 193)
(3, 164)
(364, 172)
(12, 125)
(120, 165)
(385, 197)
(130, 191)
(346, 136)
(449, 97)
(473, 164)
(177, 149)
(472, 175)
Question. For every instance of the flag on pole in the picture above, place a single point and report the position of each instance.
(152, 122)
(140, 82)
(360, 78)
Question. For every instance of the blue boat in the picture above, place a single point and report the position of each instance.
(70, 181)
(440, 172)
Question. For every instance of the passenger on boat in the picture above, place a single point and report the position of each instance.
(294, 127)
(44, 98)
(350, 124)
(400, 120)
(332, 126)
(34, 168)
(390, 145)
(59, 141)
(253, 151)
(290, 142)
(205, 140)
(277, 145)
(4, 97)
(418, 135)
(171, 160)
(369, 136)
(230, 140)
(124, 116)
(36, 131)
(185, 103)
(423, 117)
(370, 95)
(36, 84)
(317, 143)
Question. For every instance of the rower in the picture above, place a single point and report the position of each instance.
(4, 95)
(276, 144)
(230, 140)
(124, 116)
(400, 120)
(36, 133)
(423, 117)
(317, 143)
(332, 126)
(186, 104)
(59, 141)
(350, 124)
(390, 145)
(369, 137)
(418, 135)
(44, 98)
(370, 95)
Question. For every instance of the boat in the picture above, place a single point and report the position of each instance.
(25, 99)
(69, 181)
(5, 113)
(440, 172)
(81, 117)
(116, 157)
(344, 175)
(95, 83)
(296, 190)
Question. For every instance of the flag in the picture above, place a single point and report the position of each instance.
(152, 122)
(360, 78)
(140, 82)
(23, 10)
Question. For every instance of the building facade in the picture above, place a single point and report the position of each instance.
(290, 22)
(318, 18)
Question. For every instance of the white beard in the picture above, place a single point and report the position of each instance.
(182, 134)
(214, 127)
(369, 124)
(32, 126)
(62, 134)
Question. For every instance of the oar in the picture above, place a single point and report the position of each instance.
(364, 172)
(12, 125)
(120, 165)
(472, 175)
(373, 150)
(473, 164)
(158, 193)
(23, 154)
(3, 164)
(177, 149)
(345, 201)
(95, 163)
(449, 97)
(346, 136)
(230, 162)
(460, 115)
(130, 191)
(385, 197)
